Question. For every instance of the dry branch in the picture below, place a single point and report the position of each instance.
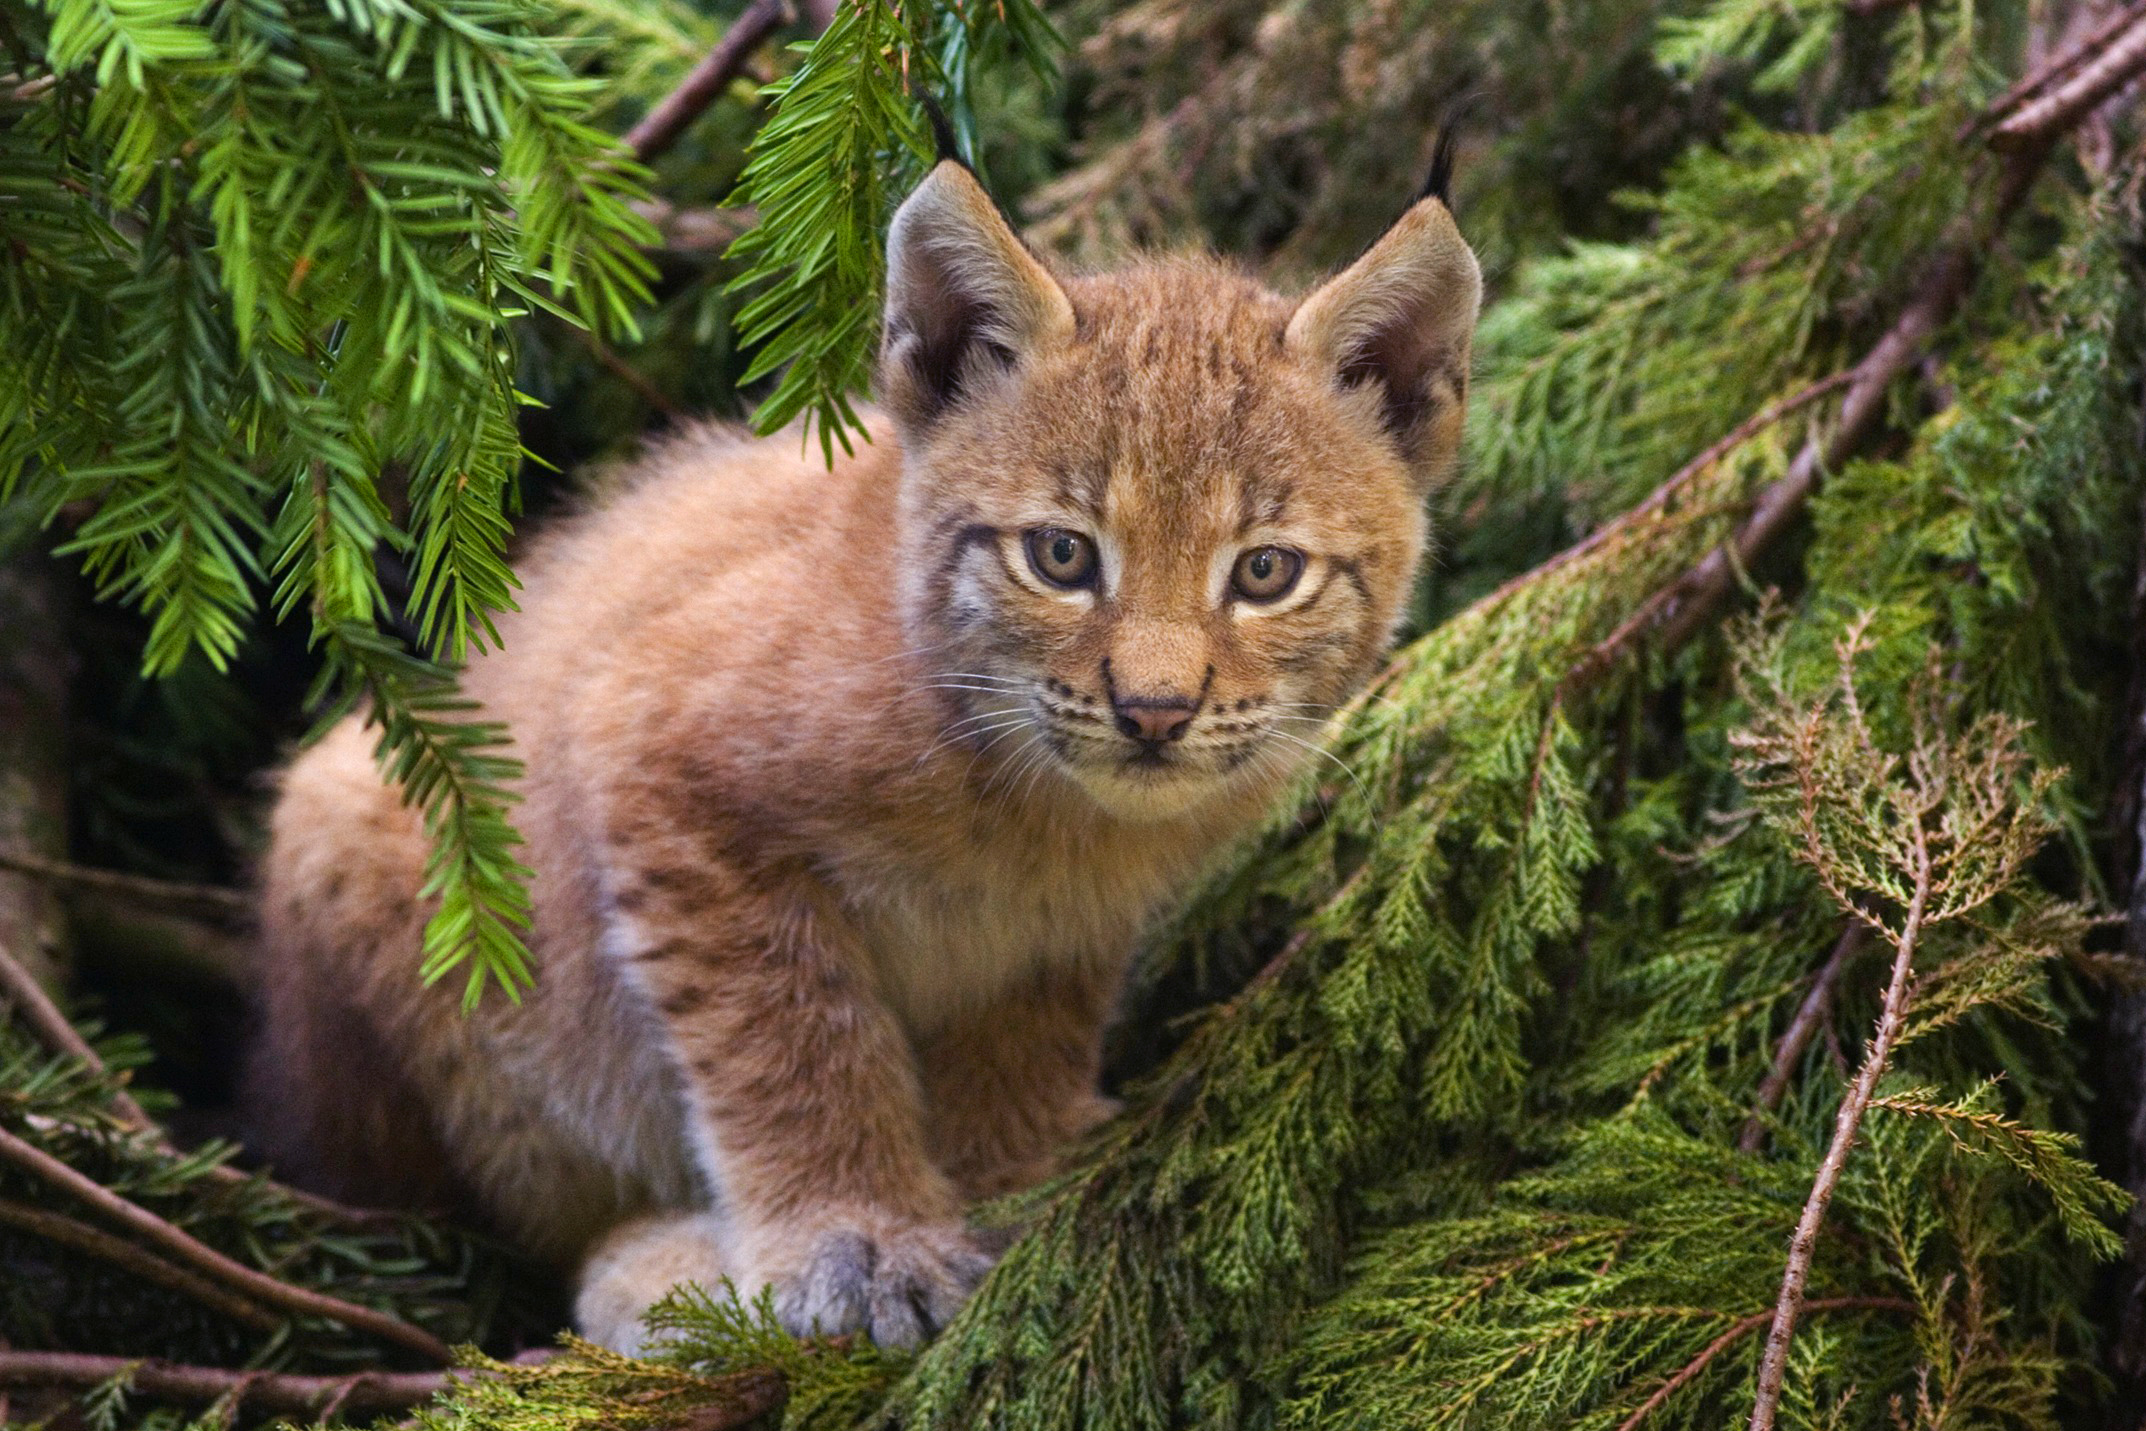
(301, 1301)
(661, 127)
(2060, 66)
(20, 988)
(1773, 1367)
(1810, 1017)
(2103, 69)
(121, 1253)
(370, 1391)
(226, 905)
(1737, 1333)
(739, 1397)
(17, 987)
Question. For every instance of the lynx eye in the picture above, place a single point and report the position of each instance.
(1267, 573)
(1060, 557)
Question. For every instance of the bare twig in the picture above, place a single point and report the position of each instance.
(1773, 1367)
(123, 1254)
(1810, 1016)
(2060, 66)
(43, 1016)
(2110, 69)
(660, 128)
(17, 987)
(302, 1301)
(737, 1398)
(627, 373)
(1675, 483)
(370, 1391)
(219, 903)
(1745, 1328)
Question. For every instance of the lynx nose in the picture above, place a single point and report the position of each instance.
(1153, 722)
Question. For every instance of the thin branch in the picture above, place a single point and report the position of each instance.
(2059, 67)
(18, 987)
(661, 127)
(2066, 105)
(627, 373)
(1675, 483)
(1810, 1016)
(1675, 613)
(369, 1391)
(700, 229)
(119, 1252)
(301, 1301)
(1743, 1329)
(739, 1398)
(219, 903)
(1804, 1245)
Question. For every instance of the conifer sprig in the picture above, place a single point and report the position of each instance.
(259, 326)
(1909, 842)
(846, 131)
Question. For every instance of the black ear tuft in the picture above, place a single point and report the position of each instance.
(1438, 184)
(943, 138)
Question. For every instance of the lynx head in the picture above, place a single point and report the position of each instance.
(1161, 522)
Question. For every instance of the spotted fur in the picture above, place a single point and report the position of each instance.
(843, 817)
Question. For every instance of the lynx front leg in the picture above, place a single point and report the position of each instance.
(803, 1105)
(1012, 1085)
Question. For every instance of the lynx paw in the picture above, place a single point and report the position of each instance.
(636, 1264)
(898, 1283)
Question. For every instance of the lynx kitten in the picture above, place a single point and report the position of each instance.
(849, 793)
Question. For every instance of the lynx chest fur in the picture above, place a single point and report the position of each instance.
(850, 792)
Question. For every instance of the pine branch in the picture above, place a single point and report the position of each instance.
(661, 127)
(1773, 1366)
(321, 1397)
(1744, 1328)
(1811, 1015)
(300, 1301)
(224, 905)
(83, 1238)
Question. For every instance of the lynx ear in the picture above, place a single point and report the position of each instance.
(1402, 317)
(964, 294)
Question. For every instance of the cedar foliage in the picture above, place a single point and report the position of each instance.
(1467, 1095)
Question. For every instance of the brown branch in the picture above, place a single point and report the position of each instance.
(1810, 1016)
(368, 1391)
(2107, 72)
(1676, 612)
(2058, 67)
(19, 988)
(1675, 483)
(661, 127)
(627, 373)
(696, 230)
(121, 1253)
(301, 1301)
(1743, 1329)
(1773, 1368)
(217, 902)
(740, 1397)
